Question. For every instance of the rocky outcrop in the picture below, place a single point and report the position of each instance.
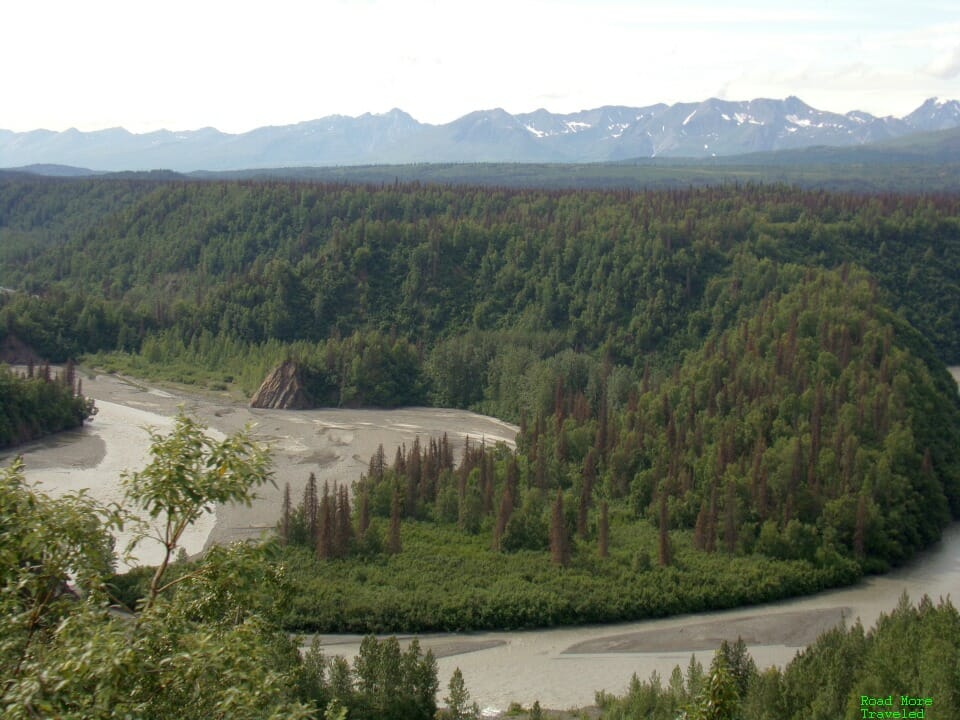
(283, 389)
(15, 352)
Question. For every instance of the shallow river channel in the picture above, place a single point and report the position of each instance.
(561, 668)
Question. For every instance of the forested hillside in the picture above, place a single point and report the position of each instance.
(801, 445)
(723, 379)
(622, 271)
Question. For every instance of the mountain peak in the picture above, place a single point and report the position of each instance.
(934, 114)
(711, 127)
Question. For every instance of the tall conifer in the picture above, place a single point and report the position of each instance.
(393, 535)
(285, 511)
(603, 531)
(665, 554)
(559, 542)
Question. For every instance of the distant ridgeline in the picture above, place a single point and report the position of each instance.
(759, 365)
(37, 402)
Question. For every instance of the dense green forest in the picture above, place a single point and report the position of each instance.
(260, 262)
(38, 402)
(792, 452)
(722, 378)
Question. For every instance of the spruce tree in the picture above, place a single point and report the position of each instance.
(603, 531)
(664, 551)
(393, 536)
(311, 509)
(324, 538)
(730, 518)
(458, 701)
(363, 514)
(503, 516)
(343, 530)
(559, 542)
(285, 515)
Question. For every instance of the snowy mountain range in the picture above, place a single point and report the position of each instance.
(697, 130)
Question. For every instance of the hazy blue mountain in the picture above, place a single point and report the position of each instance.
(712, 128)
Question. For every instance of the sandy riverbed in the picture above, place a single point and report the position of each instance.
(334, 444)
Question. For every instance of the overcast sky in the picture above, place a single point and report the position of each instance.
(182, 65)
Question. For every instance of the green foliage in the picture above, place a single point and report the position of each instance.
(384, 681)
(476, 279)
(43, 543)
(448, 580)
(38, 403)
(527, 528)
(458, 701)
(208, 650)
(188, 474)
(912, 647)
(719, 698)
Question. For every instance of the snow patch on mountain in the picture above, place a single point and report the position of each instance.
(591, 135)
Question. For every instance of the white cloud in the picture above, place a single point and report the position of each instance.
(236, 65)
(947, 65)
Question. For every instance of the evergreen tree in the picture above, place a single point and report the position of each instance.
(559, 542)
(363, 514)
(393, 536)
(503, 515)
(324, 538)
(664, 551)
(603, 531)
(718, 700)
(343, 530)
(285, 513)
(311, 510)
(458, 701)
(730, 518)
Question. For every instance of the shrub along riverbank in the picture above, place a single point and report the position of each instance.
(442, 581)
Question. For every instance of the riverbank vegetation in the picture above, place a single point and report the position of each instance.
(37, 401)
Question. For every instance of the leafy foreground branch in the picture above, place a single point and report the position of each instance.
(190, 473)
(204, 645)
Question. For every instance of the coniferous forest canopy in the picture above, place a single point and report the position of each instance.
(726, 395)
